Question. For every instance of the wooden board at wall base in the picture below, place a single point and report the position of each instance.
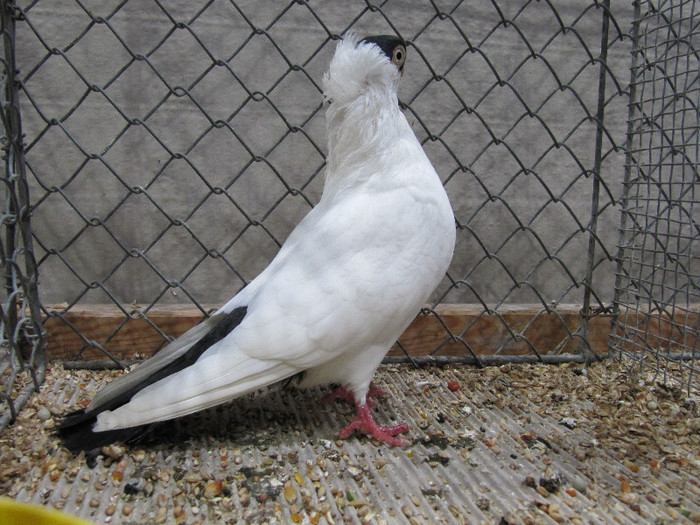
(130, 333)
(127, 333)
(462, 329)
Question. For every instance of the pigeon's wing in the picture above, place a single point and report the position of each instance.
(187, 348)
(159, 361)
(222, 373)
(212, 363)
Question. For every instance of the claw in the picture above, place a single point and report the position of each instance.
(364, 422)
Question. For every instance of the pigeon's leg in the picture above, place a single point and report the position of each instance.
(375, 391)
(339, 393)
(343, 393)
(364, 423)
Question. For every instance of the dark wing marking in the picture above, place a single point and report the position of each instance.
(76, 429)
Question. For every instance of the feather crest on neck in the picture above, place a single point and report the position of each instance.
(363, 116)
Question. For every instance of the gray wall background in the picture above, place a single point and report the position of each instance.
(171, 148)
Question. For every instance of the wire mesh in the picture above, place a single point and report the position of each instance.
(22, 358)
(172, 147)
(658, 276)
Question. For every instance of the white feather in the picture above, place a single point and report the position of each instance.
(350, 277)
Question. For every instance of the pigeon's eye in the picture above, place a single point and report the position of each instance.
(398, 57)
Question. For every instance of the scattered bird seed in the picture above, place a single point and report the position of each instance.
(43, 414)
(285, 461)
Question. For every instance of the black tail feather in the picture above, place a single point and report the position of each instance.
(77, 435)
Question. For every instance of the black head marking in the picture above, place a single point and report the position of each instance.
(393, 47)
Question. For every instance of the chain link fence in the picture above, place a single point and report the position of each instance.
(658, 281)
(22, 357)
(171, 148)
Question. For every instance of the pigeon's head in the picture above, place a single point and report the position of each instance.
(372, 64)
(393, 48)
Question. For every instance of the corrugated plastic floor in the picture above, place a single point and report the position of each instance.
(511, 444)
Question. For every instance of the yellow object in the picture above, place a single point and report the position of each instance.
(17, 513)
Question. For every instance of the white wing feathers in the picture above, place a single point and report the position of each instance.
(148, 367)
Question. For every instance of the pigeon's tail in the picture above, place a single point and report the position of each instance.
(76, 430)
(76, 433)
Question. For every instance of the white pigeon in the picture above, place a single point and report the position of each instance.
(347, 282)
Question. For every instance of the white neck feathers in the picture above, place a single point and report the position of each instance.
(363, 117)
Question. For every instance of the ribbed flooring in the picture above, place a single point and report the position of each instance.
(513, 444)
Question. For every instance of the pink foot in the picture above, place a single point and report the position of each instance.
(365, 424)
(364, 421)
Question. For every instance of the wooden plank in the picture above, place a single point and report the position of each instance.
(77, 333)
(512, 330)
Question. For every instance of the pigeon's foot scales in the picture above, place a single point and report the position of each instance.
(364, 423)
(364, 420)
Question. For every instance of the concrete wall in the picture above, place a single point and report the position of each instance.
(171, 153)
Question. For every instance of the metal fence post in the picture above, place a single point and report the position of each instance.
(22, 360)
(587, 311)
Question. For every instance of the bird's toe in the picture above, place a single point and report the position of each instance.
(364, 423)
